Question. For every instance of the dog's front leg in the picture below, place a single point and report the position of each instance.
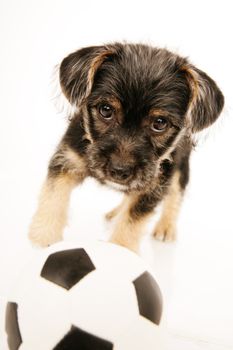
(66, 170)
(134, 212)
(166, 226)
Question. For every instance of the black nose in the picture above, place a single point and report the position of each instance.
(120, 172)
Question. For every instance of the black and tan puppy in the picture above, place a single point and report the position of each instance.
(135, 109)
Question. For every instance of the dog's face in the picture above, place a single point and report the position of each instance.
(136, 103)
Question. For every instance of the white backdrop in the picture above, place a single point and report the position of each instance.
(34, 37)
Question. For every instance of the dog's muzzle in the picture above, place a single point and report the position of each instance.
(120, 172)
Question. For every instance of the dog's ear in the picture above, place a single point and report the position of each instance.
(206, 101)
(77, 72)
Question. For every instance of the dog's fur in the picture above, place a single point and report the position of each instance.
(136, 109)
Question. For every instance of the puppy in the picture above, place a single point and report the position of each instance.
(135, 110)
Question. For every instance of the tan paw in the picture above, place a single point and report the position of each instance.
(165, 231)
(44, 236)
(133, 246)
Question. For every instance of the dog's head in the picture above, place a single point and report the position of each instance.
(136, 103)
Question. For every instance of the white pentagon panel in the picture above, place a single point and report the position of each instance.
(101, 296)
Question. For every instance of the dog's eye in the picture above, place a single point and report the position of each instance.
(106, 111)
(159, 124)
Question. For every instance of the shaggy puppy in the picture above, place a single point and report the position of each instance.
(135, 109)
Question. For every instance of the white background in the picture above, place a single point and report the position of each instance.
(195, 273)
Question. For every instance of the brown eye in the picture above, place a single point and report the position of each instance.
(159, 124)
(106, 111)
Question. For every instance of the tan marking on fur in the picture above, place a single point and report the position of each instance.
(96, 63)
(111, 100)
(51, 216)
(86, 125)
(167, 154)
(192, 78)
(166, 227)
(128, 232)
(117, 107)
(78, 167)
(115, 103)
(100, 125)
(154, 112)
(71, 163)
(73, 157)
(158, 112)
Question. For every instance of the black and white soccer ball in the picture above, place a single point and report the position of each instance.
(96, 296)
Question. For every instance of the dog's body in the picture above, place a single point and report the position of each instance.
(136, 109)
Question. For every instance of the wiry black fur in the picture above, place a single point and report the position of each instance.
(139, 79)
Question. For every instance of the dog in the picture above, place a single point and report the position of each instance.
(135, 109)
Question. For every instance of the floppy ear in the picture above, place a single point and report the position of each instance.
(206, 100)
(77, 72)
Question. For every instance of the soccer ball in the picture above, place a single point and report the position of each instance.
(96, 296)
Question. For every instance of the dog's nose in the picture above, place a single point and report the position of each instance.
(120, 172)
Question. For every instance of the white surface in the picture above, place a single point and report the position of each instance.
(195, 273)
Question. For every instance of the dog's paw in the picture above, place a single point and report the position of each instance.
(44, 235)
(133, 246)
(165, 231)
